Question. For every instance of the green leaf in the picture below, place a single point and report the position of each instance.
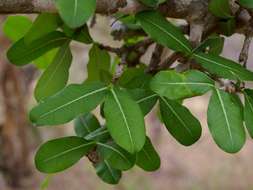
(107, 173)
(225, 121)
(176, 86)
(82, 35)
(228, 26)
(86, 124)
(99, 61)
(248, 110)
(44, 61)
(220, 8)
(246, 3)
(163, 32)
(179, 121)
(76, 13)
(43, 24)
(15, 27)
(223, 67)
(22, 54)
(56, 75)
(145, 98)
(69, 103)
(99, 135)
(125, 120)
(117, 157)
(150, 3)
(59, 154)
(148, 159)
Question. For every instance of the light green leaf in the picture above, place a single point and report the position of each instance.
(107, 173)
(145, 98)
(21, 53)
(125, 120)
(148, 159)
(220, 8)
(68, 104)
(248, 110)
(56, 75)
(76, 13)
(43, 24)
(163, 32)
(59, 154)
(223, 67)
(179, 121)
(99, 61)
(175, 86)
(117, 157)
(86, 124)
(225, 121)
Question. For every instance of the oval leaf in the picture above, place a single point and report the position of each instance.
(163, 32)
(225, 121)
(60, 154)
(125, 120)
(179, 121)
(68, 104)
(148, 159)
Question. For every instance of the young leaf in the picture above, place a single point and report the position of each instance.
(125, 120)
(56, 75)
(148, 159)
(68, 104)
(179, 121)
(117, 157)
(246, 3)
(86, 124)
(21, 53)
(145, 98)
(99, 61)
(44, 24)
(163, 32)
(59, 154)
(175, 86)
(75, 13)
(107, 173)
(223, 67)
(248, 110)
(220, 8)
(225, 121)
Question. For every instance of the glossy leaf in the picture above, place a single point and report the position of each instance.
(248, 110)
(179, 121)
(75, 13)
(68, 104)
(117, 157)
(223, 67)
(56, 75)
(163, 32)
(225, 121)
(124, 120)
(59, 154)
(21, 53)
(86, 124)
(175, 86)
(99, 61)
(107, 173)
(148, 159)
(99, 135)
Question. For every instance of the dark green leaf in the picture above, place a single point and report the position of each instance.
(163, 32)
(117, 157)
(228, 26)
(174, 85)
(99, 135)
(248, 110)
(82, 35)
(68, 104)
(107, 173)
(86, 124)
(225, 121)
(148, 159)
(223, 67)
(246, 3)
(181, 124)
(21, 53)
(220, 8)
(60, 154)
(56, 75)
(150, 3)
(125, 120)
(76, 13)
